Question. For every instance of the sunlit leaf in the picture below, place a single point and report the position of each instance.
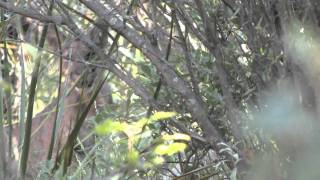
(133, 157)
(12, 56)
(138, 55)
(158, 160)
(176, 136)
(109, 126)
(29, 51)
(162, 115)
(135, 127)
(142, 121)
(126, 52)
(8, 46)
(170, 149)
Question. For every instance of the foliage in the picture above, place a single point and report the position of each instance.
(199, 89)
(145, 147)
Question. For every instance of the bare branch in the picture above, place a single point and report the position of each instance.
(34, 15)
(175, 82)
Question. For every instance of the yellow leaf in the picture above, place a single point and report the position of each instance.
(109, 126)
(162, 115)
(170, 149)
(176, 136)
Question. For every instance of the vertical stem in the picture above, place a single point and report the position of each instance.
(5, 75)
(32, 93)
(58, 99)
(66, 154)
(2, 142)
(2, 147)
(22, 99)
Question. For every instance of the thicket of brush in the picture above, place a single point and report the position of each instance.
(150, 89)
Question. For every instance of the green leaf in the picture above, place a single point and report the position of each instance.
(162, 115)
(133, 157)
(146, 69)
(170, 149)
(158, 160)
(109, 126)
(6, 86)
